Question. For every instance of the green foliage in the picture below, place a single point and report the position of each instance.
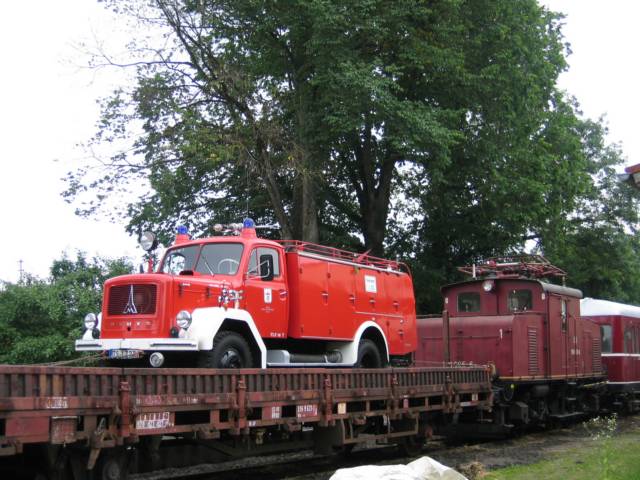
(40, 319)
(428, 131)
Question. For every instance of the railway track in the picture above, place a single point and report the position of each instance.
(487, 455)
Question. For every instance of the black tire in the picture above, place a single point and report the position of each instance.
(112, 465)
(230, 350)
(410, 446)
(368, 355)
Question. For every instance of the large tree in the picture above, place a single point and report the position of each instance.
(311, 113)
(427, 130)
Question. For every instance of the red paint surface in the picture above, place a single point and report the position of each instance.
(319, 296)
(531, 344)
(623, 362)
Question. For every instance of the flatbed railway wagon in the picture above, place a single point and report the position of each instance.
(79, 423)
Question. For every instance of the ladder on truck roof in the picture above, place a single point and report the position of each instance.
(337, 254)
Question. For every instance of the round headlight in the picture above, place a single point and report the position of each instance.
(90, 321)
(148, 241)
(183, 319)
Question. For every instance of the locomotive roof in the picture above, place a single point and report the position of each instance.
(547, 287)
(593, 307)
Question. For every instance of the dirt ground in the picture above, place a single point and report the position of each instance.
(470, 459)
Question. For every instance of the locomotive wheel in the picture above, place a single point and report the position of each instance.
(368, 355)
(230, 350)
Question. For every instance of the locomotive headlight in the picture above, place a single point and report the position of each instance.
(488, 285)
(90, 321)
(183, 319)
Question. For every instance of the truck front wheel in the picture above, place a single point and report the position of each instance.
(368, 355)
(229, 350)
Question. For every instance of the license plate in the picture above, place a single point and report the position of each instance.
(125, 354)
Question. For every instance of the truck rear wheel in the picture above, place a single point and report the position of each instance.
(368, 355)
(229, 350)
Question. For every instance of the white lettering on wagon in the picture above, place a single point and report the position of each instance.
(153, 421)
(55, 402)
(306, 411)
(159, 400)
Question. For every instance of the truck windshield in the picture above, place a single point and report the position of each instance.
(220, 258)
(180, 259)
(208, 259)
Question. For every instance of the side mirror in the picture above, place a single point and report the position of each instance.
(266, 267)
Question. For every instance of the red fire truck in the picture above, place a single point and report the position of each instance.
(242, 301)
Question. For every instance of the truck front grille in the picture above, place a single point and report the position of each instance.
(132, 299)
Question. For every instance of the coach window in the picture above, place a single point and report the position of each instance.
(469, 302)
(605, 335)
(628, 340)
(520, 300)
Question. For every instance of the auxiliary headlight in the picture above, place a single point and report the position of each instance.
(183, 319)
(90, 321)
(148, 241)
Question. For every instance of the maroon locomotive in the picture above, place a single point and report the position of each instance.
(620, 332)
(546, 357)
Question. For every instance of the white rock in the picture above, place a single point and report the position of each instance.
(424, 468)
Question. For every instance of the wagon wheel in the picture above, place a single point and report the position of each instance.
(410, 446)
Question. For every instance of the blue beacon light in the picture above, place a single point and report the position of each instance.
(248, 223)
(182, 230)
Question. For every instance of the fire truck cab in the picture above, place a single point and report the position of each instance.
(243, 301)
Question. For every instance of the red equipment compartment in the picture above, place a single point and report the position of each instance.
(619, 329)
(334, 292)
(530, 330)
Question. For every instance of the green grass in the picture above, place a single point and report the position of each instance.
(619, 456)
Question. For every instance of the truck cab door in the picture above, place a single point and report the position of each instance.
(266, 296)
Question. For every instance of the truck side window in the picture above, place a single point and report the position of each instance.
(520, 300)
(469, 302)
(259, 263)
(605, 334)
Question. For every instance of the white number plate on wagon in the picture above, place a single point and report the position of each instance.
(153, 420)
(124, 354)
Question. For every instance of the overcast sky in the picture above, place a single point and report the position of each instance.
(48, 106)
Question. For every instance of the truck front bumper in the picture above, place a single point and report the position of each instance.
(146, 344)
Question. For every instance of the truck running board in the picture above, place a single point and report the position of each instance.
(283, 358)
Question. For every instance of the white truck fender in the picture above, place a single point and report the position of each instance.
(205, 323)
(349, 350)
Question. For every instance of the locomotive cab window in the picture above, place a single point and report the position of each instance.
(520, 300)
(605, 334)
(469, 302)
